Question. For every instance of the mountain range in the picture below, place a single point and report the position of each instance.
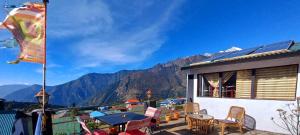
(7, 89)
(165, 80)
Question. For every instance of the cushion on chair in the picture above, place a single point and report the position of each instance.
(132, 132)
(98, 132)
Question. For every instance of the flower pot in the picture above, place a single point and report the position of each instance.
(168, 118)
(176, 115)
(113, 130)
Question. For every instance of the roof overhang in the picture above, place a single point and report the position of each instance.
(260, 60)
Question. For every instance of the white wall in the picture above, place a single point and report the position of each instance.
(260, 110)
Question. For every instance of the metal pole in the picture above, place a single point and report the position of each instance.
(44, 65)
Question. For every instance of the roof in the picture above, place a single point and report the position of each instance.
(132, 101)
(7, 119)
(280, 48)
(96, 114)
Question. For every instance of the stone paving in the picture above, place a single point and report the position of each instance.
(178, 127)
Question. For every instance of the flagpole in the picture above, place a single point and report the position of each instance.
(44, 65)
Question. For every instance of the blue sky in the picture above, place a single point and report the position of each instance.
(110, 35)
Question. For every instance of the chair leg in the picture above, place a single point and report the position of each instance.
(241, 129)
(222, 129)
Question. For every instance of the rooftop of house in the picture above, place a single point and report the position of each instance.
(280, 48)
(7, 119)
(132, 101)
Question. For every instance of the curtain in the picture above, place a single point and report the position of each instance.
(277, 83)
(243, 84)
(213, 80)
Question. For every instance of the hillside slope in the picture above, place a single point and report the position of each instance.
(7, 89)
(166, 80)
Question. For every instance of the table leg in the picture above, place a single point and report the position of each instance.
(123, 127)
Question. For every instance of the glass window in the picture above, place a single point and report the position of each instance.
(228, 84)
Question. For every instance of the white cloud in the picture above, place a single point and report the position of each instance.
(53, 65)
(79, 17)
(125, 43)
(232, 49)
(39, 70)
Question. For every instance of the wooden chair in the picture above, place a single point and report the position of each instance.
(152, 112)
(200, 126)
(235, 118)
(191, 108)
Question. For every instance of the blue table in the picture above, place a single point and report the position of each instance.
(118, 119)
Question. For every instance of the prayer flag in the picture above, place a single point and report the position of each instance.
(27, 24)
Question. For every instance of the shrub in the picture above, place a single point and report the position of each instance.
(289, 119)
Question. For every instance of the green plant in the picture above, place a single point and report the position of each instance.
(92, 125)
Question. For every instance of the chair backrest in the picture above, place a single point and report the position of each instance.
(132, 125)
(85, 128)
(191, 108)
(153, 112)
(203, 111)
(138, 124)
(236, 113)
(145, 122)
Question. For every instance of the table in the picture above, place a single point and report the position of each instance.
(200, 123)
(120, 119)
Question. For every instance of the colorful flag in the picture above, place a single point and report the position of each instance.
(27, 24)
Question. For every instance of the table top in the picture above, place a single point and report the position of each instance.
(120, 118)
(201, 116)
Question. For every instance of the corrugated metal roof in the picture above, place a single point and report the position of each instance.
(7, 119)
(260, 51)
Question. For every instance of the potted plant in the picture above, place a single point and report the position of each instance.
(176, 115)
(168, 118)
(113, 130)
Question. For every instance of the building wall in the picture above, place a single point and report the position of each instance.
(260, 110)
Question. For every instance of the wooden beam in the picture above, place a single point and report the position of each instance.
(253, 78)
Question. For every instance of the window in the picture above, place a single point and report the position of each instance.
(276, 82)
(211, 85)
(228, 84)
